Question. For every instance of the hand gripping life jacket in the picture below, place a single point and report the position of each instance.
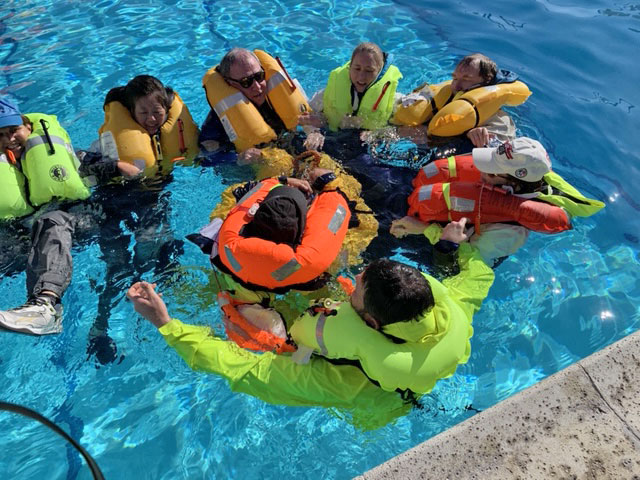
(435, 343)
(377, 103)
(449, 189)
(241, 120)
(449, 115)
(275, 265)
(49, 163)
(13, 195)
(178, 135)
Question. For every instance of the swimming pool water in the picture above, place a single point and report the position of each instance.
(147, 415)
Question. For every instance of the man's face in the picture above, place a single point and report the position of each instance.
(14, 138)
(244, 70)
(466, 77)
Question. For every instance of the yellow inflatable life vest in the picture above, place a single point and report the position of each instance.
(453, 115)
(241, 120)
(49, 162)
(440, 342)
(178, 135)
(13, 195)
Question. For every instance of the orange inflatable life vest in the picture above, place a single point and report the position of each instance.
(245, 334)
(451, 188)
(275, 265)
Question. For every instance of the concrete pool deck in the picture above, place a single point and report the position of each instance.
(581, 423)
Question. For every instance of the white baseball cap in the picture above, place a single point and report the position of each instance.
(523, 158)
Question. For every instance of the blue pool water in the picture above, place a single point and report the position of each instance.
(148, 415)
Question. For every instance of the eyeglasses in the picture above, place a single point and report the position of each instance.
(246, 82)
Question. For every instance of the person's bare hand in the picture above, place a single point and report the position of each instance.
(148, 303)
(407, 226)
(479, 136)
(455, 231)
(302, 185)
(314, 141)
(127, 170)
(313, 119)
(250, 155)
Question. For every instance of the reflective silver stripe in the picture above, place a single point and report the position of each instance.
(320, 334)
(430, 170)
(275, 80)
(424, 193)
(228, 102)
(35, 141)
(337, 220)
(232, 260)
(249, 193)
(3, 158)
(288, 269)
(459, 204)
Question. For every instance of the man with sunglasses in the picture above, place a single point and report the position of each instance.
(241, 69)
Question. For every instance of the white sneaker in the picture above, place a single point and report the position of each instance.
(37, 317)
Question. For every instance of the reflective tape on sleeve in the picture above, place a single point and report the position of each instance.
(424, 193)
(232, 260)
(430, 170)
(337, 219)
(459, 204)
(288, 269)
(320, 334)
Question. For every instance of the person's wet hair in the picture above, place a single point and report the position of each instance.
(395, 292)
(139, 87)
(487, 68)
(373, 49)
(231, 57)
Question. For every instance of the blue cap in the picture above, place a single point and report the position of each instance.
(9, 114)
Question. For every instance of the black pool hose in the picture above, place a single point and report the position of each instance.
(27, 412)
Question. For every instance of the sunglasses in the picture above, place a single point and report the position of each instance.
(246, 82)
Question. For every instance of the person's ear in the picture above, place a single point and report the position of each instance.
(371, 321)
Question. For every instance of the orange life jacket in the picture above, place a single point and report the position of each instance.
(451, 188)
(247, 335)
(275, 265)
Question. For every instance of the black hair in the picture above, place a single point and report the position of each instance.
(395, 292)
(139, 87)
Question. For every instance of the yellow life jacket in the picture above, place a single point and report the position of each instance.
(178, 136)
(241, 120)
(13, 195)
(49, 163)
(449, 115)
(436, 342)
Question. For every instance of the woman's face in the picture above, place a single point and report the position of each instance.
(149, 113)
(364, 70)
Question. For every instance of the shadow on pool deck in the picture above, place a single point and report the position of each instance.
(581, 423)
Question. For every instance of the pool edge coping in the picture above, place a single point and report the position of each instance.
(581, 422)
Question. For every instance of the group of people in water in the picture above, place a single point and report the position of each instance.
(311, 211)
